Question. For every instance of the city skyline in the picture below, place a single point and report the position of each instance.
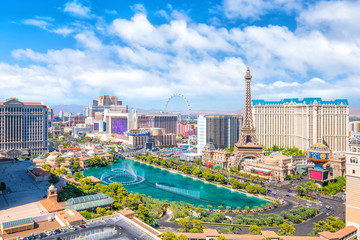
(143, 52)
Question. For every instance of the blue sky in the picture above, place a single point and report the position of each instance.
(65, 52)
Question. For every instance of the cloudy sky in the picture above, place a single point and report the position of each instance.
(65, 52)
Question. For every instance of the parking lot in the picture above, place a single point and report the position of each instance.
(117, 227)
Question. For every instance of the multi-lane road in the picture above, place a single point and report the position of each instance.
(337, 209)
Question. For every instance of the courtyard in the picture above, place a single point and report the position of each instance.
(22, 193)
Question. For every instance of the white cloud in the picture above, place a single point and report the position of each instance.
(198, 60)
(37, 23)
(138, 8)
(255, 8)
(88, 40)
(63, 31)
(77, 9)
(335, 19)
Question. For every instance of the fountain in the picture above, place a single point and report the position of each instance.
(126, 176)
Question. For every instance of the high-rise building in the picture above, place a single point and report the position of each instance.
(23, 128)
(302, 122)
(105, 102)
(352, 211)
(221, 130)
(186, 129)
(157, 120)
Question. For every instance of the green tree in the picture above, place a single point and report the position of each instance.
(168, 236)
(143, 214)
(300, 189)
(185, 168)
(75, 165)
(54, 179)
(331, 224)
(185, 223)
(219, 177)
(220, 238)
(77, 176)
(164, 163)
(286, 229)
(207, 174)
(196, 171)
(255, 230)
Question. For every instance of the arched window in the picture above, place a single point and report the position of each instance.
(354, 160)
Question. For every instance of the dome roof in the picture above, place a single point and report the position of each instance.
(52, 187)
(319, 152)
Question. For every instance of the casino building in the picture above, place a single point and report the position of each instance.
(302, 122)
(23, 128)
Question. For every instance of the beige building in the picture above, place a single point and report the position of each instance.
(23, 128)
(220, 157)
(157, 136)
(277, 166)
(302, 122)
(353, 186)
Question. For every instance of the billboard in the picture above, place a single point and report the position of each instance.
(118, 125)
(96, 126)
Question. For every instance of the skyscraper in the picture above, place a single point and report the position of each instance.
(221, 130)
(105, 102)
(24, 128)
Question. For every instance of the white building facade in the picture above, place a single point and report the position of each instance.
(201, 133)
(302, 122)
(23, 128)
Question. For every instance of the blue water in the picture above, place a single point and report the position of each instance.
(164, 185)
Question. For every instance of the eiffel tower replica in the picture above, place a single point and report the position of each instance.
(247, 145)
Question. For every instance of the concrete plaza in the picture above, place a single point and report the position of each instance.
(22, 193)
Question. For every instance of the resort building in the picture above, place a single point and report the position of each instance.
(221, 130)
(105, 102)
(157, 120)
(186, 129)
(23, 128)
(352, 185)
(302, 122)
(151, 137)
(277, 166)
(215, 157)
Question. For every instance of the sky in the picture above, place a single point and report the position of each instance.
(69, 52)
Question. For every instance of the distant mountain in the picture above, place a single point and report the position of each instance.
(73, 108)
(354, 112)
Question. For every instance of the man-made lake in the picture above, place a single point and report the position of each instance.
(164, 185)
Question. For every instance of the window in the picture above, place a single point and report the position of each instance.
(353, 171)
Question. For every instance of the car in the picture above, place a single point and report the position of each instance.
(82, 226)
(57, 231)
(289, 191)
(43, 235)
(287, 195)
(278, 185)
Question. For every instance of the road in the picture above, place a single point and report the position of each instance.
(291, 202)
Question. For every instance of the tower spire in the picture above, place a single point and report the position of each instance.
(247, 145)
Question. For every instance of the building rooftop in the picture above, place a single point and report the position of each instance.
(17, 222)
(306, 101)
(87, 202)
